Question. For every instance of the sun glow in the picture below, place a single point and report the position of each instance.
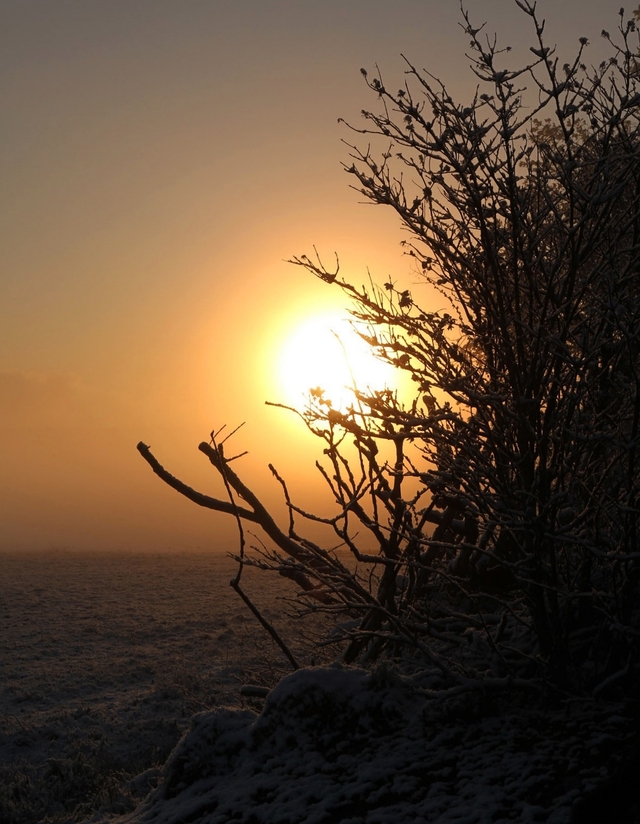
(325, 352)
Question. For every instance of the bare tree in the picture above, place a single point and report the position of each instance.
(502, 503)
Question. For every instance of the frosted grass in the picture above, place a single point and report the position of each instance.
(108, 661)
(104, 659)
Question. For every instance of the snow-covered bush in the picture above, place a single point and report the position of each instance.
(503, 502)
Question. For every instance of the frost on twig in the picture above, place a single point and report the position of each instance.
(487, 527)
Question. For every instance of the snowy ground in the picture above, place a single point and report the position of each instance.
(104, 661)
(335, 746)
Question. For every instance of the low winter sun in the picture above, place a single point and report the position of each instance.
(325, 352)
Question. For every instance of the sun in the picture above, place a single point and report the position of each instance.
(324, 351)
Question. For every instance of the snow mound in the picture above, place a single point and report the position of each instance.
(344, 746)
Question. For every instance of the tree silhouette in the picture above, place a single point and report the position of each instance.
(502, 504)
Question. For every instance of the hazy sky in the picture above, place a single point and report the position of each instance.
(160, 160)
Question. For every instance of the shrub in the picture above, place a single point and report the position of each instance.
(502, 501)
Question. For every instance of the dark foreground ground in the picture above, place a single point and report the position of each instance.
(113, 670)
(104, 659)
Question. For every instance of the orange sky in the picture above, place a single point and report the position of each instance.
(160, 160)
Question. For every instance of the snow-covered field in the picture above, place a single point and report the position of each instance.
(107, 662)
(103, 660)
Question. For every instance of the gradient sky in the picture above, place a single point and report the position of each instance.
(160, 161)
